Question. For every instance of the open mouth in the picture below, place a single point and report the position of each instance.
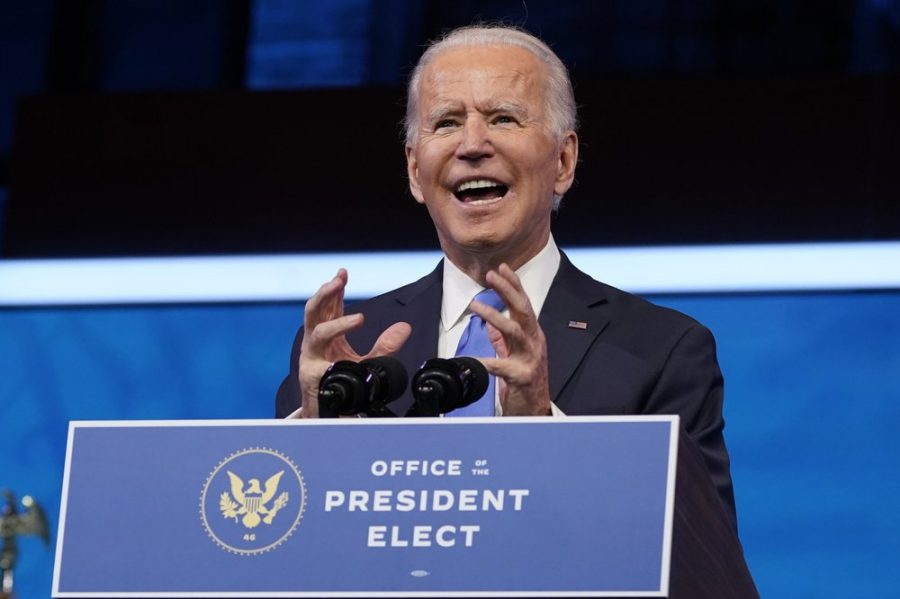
(480, 191)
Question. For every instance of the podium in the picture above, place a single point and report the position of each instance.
(474, 507)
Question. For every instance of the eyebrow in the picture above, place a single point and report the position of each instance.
(489, 109)
(510, 107)
(442, 111)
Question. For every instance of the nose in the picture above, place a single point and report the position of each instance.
(475, 142)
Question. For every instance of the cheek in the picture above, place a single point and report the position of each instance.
(429, 158)
(535, 154)
(426, 172)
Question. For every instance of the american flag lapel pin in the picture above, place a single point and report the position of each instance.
(577, 324)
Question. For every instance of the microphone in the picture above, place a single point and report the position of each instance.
(441, 386)
(391, 380)
(349, 388)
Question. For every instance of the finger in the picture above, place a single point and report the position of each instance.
(508, 286)
(316, 340)
(497, 341)
(332, 304)
(506, 326)
(327, 302)
(514, 372)
(519, 303)
(327, 289)
(510, 275)
(391, 340)
(515, 339)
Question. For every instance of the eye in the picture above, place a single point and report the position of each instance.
(504, 119)
(444, 124)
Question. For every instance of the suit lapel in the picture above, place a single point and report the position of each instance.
(571, 321)
(574, 298)
(420, 306)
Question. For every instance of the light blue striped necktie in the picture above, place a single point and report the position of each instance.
(476, 343)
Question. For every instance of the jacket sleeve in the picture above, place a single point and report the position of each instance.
(690, 385)
(287, 400)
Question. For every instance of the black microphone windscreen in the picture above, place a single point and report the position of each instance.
(391, 375)
(477, 379)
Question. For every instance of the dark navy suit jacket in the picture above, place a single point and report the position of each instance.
(632, 358)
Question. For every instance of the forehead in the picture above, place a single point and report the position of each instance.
(485, 71)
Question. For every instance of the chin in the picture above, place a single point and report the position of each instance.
(482, 243)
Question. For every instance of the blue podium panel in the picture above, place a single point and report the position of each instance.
(343, 508)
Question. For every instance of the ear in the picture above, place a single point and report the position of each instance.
(412, 171)
(568, 159)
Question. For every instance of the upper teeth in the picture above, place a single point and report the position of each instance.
(477, 184)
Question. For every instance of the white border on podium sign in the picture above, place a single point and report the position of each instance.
(673, 421)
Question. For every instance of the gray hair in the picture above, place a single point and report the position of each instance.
(561, 108)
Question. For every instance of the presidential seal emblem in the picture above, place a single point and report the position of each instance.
(252, 501)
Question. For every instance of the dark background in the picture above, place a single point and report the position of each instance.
(131, 127)
(203, 126)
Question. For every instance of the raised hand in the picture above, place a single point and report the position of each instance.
(325, 328)
(521, 362)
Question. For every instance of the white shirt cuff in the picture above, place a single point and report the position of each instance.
(555, 411)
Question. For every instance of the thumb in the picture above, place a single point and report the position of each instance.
(391, 340)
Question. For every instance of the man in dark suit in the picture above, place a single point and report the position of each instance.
(491, 149)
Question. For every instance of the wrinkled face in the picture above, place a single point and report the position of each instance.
(484, 161)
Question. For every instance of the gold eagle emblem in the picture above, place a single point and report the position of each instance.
(253, 501)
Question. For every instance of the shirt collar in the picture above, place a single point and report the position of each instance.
(536, 275)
